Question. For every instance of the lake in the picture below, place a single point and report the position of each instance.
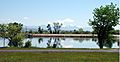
(65, 42)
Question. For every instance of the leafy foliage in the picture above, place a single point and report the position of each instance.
(17, 40)
(12, 32)
(28, 44)
(104, 20)
(57, 27)
(3, 31)
(49, 28)
(40, 30)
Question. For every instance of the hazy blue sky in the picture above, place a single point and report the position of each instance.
(42, 12)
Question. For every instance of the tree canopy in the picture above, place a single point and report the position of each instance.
(104, 20)
(40, 30)
(57, 26)
(49, 28)
(12, 32)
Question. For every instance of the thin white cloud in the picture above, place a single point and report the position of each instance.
(68, 20)
(25, 18)
(5, 21)
(65, 22)
(79, 26)
(50, 22)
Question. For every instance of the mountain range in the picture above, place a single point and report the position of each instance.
(66, 28)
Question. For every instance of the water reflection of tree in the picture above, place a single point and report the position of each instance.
(40, 40)
(81, 39)
(118, 41)
(49, 43)
(87, 39)
(94, 39)
(56, 43)
(29, 37)
(107, 43)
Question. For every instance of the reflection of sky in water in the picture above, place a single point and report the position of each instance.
(2, 43)
(66, 43)
(70, 43)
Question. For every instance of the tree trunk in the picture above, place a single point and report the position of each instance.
(10, 42)
(4, 42)
(100, 41)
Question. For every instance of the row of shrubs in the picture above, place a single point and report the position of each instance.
(27, 44)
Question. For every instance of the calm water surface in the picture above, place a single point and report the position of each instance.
(58, 42)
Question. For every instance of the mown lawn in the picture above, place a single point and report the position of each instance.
(58, 57)
(34, 48)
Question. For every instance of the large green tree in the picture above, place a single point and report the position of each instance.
(104, 20)
(12, 32)
(14, 29)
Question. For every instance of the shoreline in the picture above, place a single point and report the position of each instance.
(64, 35)
(67, 35)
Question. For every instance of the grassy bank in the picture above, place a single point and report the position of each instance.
(58, 57)
(34, 48)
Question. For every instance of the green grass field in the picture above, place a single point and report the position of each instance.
(34, 48)
(58, 57)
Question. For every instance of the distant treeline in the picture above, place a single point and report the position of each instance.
(69, 32)
(55, 29)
